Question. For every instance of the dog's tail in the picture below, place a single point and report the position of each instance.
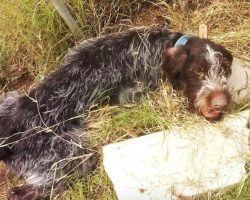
(7, 107)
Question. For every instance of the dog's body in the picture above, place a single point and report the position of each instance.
(41, 136)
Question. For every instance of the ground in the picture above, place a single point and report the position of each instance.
(33, 40)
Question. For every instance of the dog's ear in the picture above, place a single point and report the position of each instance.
(174, 62)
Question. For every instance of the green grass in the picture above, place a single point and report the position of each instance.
(34, 39)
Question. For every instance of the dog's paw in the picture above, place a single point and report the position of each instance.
(26, 192)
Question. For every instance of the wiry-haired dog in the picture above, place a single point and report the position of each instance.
(41, 136)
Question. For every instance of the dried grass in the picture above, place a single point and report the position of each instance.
(34, 38)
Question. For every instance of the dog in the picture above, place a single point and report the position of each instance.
(42, 139)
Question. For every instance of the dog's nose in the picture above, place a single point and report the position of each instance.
(219, 102)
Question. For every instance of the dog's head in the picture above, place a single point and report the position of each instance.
(201, 69)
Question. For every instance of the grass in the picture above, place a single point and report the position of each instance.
(34, 39)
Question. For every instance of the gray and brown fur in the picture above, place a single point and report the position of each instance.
(42, 139)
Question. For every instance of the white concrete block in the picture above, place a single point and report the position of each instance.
(170, 164)
(239, 82)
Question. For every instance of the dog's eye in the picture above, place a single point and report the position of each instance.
(199, 72)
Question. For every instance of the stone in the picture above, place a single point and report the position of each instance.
(179, 162)
(239, 81)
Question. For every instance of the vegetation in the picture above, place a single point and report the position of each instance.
(33, 40)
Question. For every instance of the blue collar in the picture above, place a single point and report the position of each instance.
(182, 40)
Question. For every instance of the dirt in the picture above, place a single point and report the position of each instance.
(15, 78)
(152, 15)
